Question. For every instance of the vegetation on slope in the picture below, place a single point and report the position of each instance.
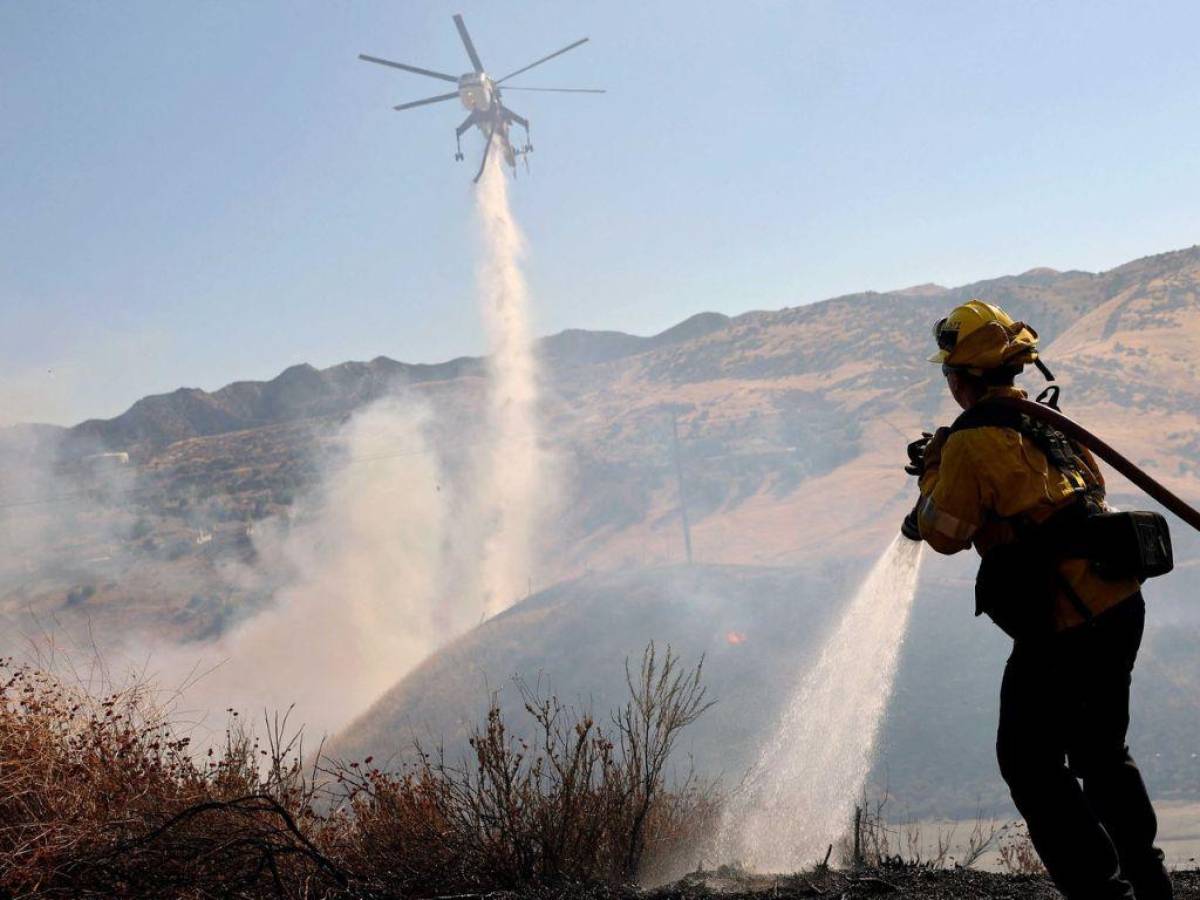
(101, 796)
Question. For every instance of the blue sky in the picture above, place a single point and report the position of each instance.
(197, 192)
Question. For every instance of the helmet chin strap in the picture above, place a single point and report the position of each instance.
(1049, 396)
(1041, 366)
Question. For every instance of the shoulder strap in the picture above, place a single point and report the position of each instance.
(1059, 451)
(984, 415)
(1057, 447)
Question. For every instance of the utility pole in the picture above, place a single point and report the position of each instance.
(683, 516)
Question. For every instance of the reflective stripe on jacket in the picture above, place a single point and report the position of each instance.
(978, 479)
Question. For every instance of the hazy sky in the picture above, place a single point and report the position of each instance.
(197, 192)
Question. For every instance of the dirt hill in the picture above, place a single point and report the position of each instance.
(756, 629)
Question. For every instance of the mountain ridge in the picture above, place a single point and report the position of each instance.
(302, 391)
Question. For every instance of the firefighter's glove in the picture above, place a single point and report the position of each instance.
(916, 454)
(926, 451)
(910, 527)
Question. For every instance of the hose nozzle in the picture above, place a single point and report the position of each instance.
(910, 527)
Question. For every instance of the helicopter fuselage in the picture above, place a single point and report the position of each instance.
(476, 91)
(479, 94)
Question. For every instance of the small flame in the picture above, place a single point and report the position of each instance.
(735, 638)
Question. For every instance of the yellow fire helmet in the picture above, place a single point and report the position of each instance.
(979, 337)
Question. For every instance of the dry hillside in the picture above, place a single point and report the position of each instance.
(791, 425)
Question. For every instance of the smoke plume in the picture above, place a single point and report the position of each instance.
(362, 567)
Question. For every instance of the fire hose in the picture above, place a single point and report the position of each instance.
(1106, 452)
(1149, 530)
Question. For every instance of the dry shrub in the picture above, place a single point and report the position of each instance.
(984, 833)
(98, 796)
(575, 802)
(681, 831)
(872, 842)
(1017, 853)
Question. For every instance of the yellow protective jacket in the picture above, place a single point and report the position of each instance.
(978, 480)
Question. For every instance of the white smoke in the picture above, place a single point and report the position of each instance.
(798, 798)
(362, 595)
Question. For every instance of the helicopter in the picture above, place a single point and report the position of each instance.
(480, 95)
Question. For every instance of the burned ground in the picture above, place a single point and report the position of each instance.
(928, 884)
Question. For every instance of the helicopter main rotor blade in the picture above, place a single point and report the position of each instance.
(407, 68)
(542, 60)
(466, 39)
(438, 99)
(560, 90)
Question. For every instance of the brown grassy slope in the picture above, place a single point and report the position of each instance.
(1132, 367)
(810, 407)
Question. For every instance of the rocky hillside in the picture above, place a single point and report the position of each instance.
(298, 393)
(303, 392)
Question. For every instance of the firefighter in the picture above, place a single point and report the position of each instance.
(1018, 492)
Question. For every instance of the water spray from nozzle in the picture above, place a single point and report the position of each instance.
(798, 798)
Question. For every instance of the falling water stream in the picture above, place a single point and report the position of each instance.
(798, 798)
(515, 475)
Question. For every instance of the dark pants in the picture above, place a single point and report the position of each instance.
(1064, 711)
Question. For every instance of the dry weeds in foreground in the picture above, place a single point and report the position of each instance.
(874, 843)
(99, 796)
